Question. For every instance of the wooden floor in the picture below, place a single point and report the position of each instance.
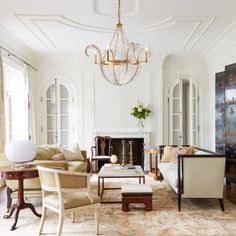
(230, 193)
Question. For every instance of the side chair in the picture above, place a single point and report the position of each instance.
(69, 192)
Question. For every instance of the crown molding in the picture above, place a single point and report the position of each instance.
(16, 46)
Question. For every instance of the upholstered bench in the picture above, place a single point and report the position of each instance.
(136, 193)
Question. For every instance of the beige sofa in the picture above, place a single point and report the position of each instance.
(32, 187)
(200, 175)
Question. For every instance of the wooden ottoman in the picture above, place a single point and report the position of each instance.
(136, 193)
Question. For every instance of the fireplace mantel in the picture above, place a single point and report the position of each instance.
(127, 133)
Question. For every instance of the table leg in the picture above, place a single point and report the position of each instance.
(12, 209)
(156, 170)
(139, 180)
(102, 184)
(150, 163)
(143, 179)
(20, 205)
(99, 186)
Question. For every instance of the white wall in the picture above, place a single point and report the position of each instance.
(176, 67)
(103, 106)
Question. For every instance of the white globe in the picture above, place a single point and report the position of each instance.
(20, 151)
(113, 159)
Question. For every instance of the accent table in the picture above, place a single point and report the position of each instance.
(17, 173)
(109, 171)
(153, 153)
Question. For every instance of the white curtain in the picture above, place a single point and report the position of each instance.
(2, 109)
(2, 113)
(29, 91)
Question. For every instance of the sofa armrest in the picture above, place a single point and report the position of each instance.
(209, 183)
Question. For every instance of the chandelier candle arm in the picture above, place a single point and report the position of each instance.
(120, 61)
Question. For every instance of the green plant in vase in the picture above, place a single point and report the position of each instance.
(141, 112)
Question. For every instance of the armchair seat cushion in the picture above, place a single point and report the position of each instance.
(79, 166)
(72, 200)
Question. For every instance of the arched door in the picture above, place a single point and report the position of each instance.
(183, 113)
(58, 103)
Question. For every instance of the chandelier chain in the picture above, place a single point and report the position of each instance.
(120, 62)
(119, 12)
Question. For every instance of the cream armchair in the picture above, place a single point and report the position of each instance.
(70, 191)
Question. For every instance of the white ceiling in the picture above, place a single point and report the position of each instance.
(171, 26)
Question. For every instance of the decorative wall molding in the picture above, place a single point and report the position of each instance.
(32, 23)
(219, 38)
(136, 8)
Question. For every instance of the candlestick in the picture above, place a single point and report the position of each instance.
(123, 153)
(131, 152)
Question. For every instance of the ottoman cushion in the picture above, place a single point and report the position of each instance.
(136, 188)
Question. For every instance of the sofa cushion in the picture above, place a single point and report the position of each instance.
(79, 166)
(169, 171)
(169, 153)
(48, 163)
(72, 153)
(46, 152)
(182, 150)
(58, 157)
(200, 152)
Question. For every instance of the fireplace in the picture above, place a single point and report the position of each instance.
(137, 149)
(118, 134)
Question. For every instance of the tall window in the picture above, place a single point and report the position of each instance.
(15, 103)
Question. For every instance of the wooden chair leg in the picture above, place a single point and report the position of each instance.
(60, 223)
(96, 214)
(43, 218)
(222, 204)
(179, 202)
(73, 217)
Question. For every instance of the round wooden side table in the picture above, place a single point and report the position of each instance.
(19, 173)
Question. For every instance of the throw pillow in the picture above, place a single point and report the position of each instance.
(58, 157)
(72, 153)
(182, 150)
(45, 152)
(169, 153)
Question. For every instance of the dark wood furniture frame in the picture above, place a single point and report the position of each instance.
(180, 169)
(102, 147)
(128, 198)
(9, 173)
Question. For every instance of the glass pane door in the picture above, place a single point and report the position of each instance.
(58, 114)
(176, 121)
(51, 115)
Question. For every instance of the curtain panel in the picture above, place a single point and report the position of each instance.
(2, 113)
(2, 109)
(29, 93)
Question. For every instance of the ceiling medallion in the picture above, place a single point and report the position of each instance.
(120, 62)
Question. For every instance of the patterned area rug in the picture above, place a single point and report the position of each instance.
(198, 217)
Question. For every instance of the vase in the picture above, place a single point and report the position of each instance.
(141, 125)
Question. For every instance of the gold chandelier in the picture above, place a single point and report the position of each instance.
(120, 62)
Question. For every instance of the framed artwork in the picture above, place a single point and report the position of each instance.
(220, 112)
(230, 110)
